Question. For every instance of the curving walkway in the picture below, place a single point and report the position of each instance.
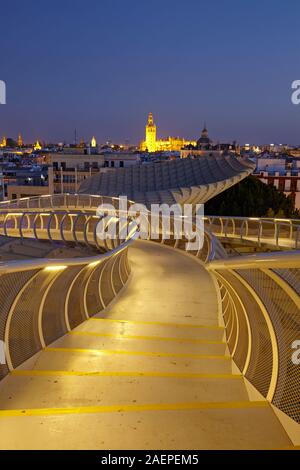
(152, 374)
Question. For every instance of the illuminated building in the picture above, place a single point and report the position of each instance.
(151, 134)
(20, 141)
(93, 143)
(3, 142)
(37, 146)
(151, 144)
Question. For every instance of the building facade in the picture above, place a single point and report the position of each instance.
(282, 172)
(152, 144)
(205, 147)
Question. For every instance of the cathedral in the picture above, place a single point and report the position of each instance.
(151, 144)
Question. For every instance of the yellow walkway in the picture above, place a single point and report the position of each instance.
(152, 374)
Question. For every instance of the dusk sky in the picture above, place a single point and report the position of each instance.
(102, 65)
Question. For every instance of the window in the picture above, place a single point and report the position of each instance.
(294, 185)
(68, 179)
(281, 184)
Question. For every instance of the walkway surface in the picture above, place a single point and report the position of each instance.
(152, 374)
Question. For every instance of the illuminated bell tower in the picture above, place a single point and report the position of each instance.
(151, 134)
(20, 141)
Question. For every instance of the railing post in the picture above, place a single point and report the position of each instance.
(276, 231)
(221, 226)
(233, 226)
(259, 232)
(226, 226)
(297, 237)
(241, 229)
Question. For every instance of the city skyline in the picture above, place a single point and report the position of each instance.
(163, 140)
(102, 68)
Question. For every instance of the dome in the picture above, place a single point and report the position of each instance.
(204, 139)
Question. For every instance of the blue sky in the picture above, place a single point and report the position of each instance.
(102, 65)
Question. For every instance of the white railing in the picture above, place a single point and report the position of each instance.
(280, 233)
(261, 311)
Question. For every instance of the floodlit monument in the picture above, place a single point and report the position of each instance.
(152, 144)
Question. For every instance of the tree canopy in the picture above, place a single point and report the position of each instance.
(252, 198)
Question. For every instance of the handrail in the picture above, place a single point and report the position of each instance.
(280, 259)
(83, 201)
(24, 226)
(270, 219)
(28, 265)
(280, 233)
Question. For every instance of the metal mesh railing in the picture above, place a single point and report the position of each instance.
(285, 317)
(30, 322)
(264, 292)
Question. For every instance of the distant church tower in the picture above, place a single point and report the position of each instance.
(151, 134)
(20, 141)
(204, 133)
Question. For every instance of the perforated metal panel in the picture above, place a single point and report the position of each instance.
(285, 317)
(105, 285)
(240, 354)
(75, 305)
(53, 315)
(259, 372)
(291, 276)
(93, 300)
(123, 262)
(10, 285)
(24, 339)
(116, 273)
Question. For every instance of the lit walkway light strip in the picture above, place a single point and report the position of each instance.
(153, 338)
(176, 325)
(109, 352)
(132, 408)
(55, 268)
(72, 373)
